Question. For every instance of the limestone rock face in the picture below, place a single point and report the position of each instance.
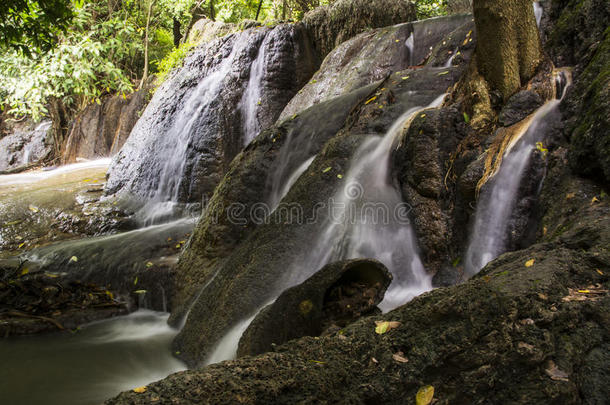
(24, 143)
(100, 130)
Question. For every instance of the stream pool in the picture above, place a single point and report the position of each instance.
(89, 366)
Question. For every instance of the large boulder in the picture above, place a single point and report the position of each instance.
(332, 298)
(333, 24)
(374, 54)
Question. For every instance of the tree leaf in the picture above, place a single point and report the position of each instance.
(424, 395)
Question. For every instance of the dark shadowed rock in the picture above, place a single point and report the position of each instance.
(332, 298)
(519, 106)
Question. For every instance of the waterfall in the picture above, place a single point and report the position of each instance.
(251, 99)
(369, 219)
(491, 224)
(410, 44)
(177, 141)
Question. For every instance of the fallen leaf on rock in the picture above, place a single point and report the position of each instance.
(570, 195)
(149, 265)
(424, 395)
(591, 293)
(601, 273)
(530, 263)
(21, 245)
(385, 326)
(73, 259)
(594, 200)
(555, 373)
(400, 357)
(140, 390)
(327, 169)
(25, 271)
(33, 208)
(139, 292)
(370, 100)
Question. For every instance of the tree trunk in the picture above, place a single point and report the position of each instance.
(508, 45)
(148, 16)
(258, 10)
(176, 32)
(212, 11)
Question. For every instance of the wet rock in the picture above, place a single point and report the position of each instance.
(100, 130)
(333, 24)
(270, 159)
(421, 164)
(491, 339)
(333, 297)
(184, 161)
(235, 287)
(373, 55)
(457, 47)
(519, 106)
(24, 143)
(205, 30)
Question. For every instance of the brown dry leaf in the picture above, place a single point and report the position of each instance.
(570, 195)
(555, 373)
(424, 395)
(400, 357)
(140, 390)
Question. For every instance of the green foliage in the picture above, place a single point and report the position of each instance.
(430, 8)
(173, 59)
(33, 24)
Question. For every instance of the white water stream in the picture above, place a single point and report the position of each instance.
(496, 203)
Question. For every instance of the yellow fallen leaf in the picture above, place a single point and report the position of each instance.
(109, 294)
(584, 291)
(340, 176)
(385, 326)
(178, 246)
(327, 169)
(594, 200)
(530, 263)
(570, 195)
(370, 100)
(139, 292)
(73, 259)
(25, 271)
(424, 395)
(135, 281)
(601, 273)
(422, 116)
(21, 245)
(140, 390)
(33, 208)
(149, 265)
(405, 77)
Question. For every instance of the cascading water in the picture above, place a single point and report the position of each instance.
(251, 100)
(410, 44)
(162, 200)
(538, 12)
(489, 234)
(372, 219)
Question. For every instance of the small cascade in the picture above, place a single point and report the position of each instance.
(499, 197)
(371, 219)
(251, 100)
(538, 12)
(410, 44)
(177, 141)
(449, 62)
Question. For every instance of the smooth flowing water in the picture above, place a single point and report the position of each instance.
(90, 365)
(251, 100)
(491, 224)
